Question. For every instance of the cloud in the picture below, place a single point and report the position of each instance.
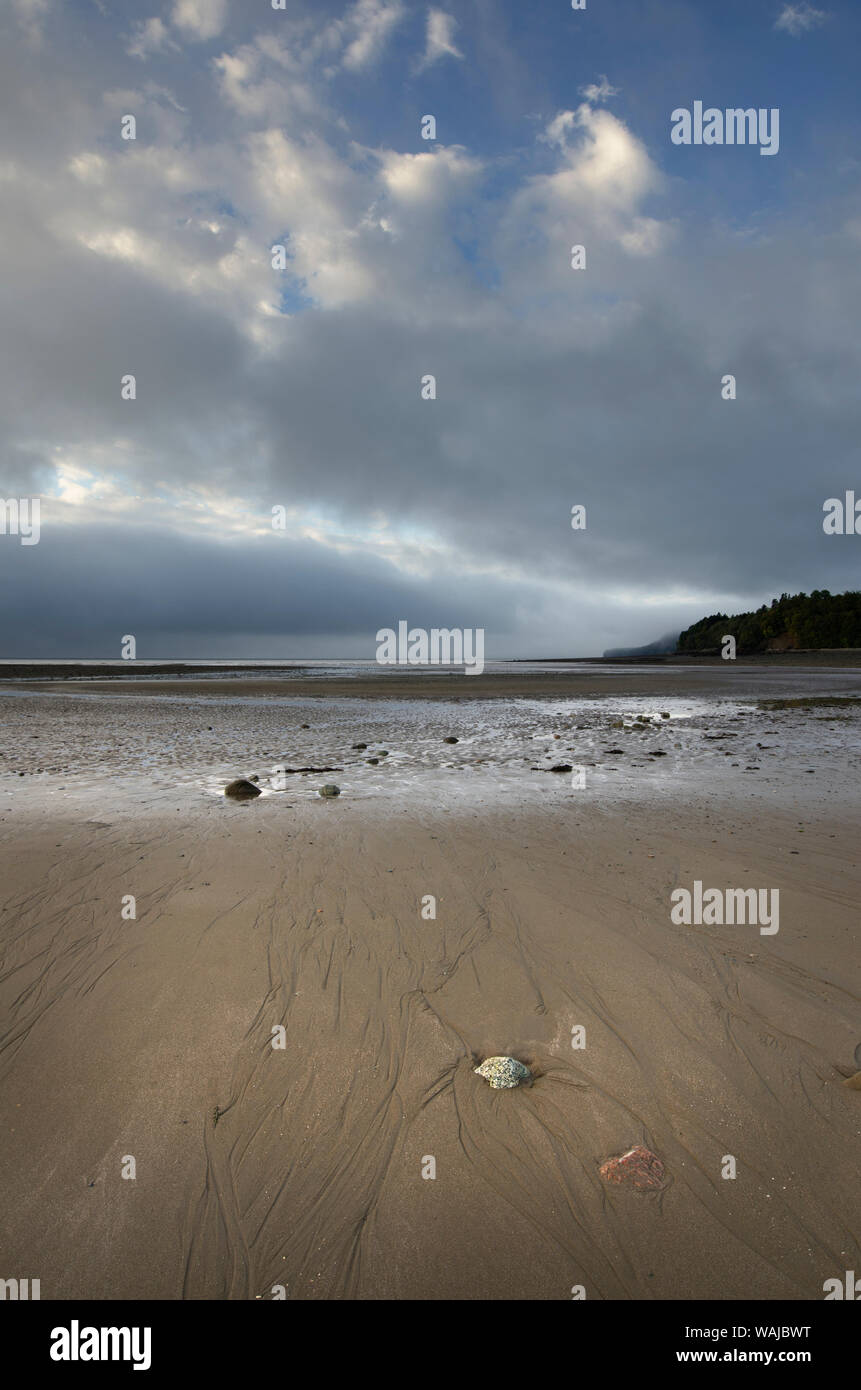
(797, 19)
(439, 41)
(31, 15)
(200, 19)
(271, 79)
(599, 91)
(151, 36)
(371, 22)
(302, 387)
(604, 176)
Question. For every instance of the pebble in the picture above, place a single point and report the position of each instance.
(638, 1168)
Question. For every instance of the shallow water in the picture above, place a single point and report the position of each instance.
(141, 751)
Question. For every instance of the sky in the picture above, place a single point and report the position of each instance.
(300, 388)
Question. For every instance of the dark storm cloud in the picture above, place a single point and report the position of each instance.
(79, 594)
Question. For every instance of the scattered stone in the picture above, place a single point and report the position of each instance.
(557, 767)
(383, 753)
(503, 1072)
(638, 1168)
(329, 789)
(450, 739)
(614, 750)
(372, 761)
(665, 714)
(657, 753)
(241, 790)
(360, 745)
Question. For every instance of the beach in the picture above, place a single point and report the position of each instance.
(455, 901)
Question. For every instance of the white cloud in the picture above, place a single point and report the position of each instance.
(150, 37)
(372, 21)
(599, 91)
(608, 163)
(440, 38)
(303, 188)
(556, 132)
(594, 197)
(201, 19)
(427, 180)
(797, 19)
(266, 80)
(89, 168)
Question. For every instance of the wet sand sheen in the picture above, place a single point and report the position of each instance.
(126, 1037)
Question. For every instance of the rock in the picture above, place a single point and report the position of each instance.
(614, 750)
(360, 745)
(638, 1168)
(618, 724)
(503, 1072)
(329, 789)
(372, 761)
(854, 1082)
(382, 753)
(304, 726)
(241, 790)
(665, 714)
(450, 739)
(657, 753)
(255, 778)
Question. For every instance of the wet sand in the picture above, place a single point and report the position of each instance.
(259, 1167)
(562, 681)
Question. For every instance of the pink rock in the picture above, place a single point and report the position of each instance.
(638, 1168)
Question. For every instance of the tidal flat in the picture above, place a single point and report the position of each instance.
(285, 1031)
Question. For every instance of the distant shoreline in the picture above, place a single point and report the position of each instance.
(561, 680)
(132, 672)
